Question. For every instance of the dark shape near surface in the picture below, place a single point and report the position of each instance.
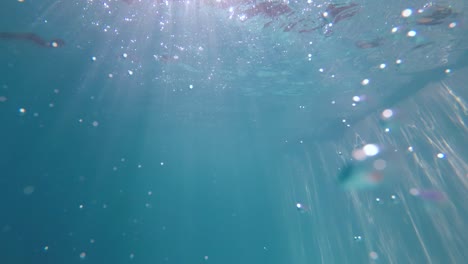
(279, 14)
(438, 16)
(337, 12)
(33, 38)
(363, 44)
(269, 9)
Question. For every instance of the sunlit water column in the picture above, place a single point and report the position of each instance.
(415, 211)
(418, 213)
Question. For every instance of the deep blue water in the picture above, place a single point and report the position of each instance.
(190, 132)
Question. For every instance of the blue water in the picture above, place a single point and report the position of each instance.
(190, 133)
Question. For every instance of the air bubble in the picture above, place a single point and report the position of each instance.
(411, 33)
(406, 13)
(357, 238)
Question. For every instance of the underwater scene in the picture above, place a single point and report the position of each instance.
(233, 131)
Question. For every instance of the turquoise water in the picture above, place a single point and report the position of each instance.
(194, 133)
